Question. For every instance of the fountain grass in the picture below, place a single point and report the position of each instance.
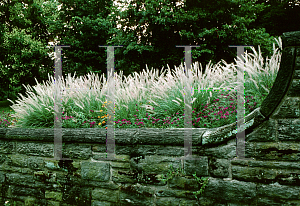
(148, 100)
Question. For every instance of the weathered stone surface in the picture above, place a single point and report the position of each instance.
(294, 89)
(154, 164)
(219, 167)
(105, 195)
(101, 203)
(297, 72)
(35, 163)
(6, 147)
(274, 151)
(175, 201)
(200, 166)
(3, 157)
(2, 177)
(239, 191)
(136, 194)
(289, 130)
(36, 149)
(53, 195)
(289, 108)
(17, 190)
(263, 133)
(124, 176)
(277, 191)
(223, 151)
(96, 171)
(77, 151)
(268, 175)
(76, 195)
(276, 202)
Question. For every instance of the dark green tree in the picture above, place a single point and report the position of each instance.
(279, 17)
(24, 37)
(84, 28)
(27, 27)
(219, 23)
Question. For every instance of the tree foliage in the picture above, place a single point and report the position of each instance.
(281, 16)
(24, 36)
(84, 28)
(220, 23)
(28, 25)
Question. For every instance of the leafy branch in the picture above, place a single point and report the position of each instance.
(202, 181)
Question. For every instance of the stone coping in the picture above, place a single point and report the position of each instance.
(169, 136)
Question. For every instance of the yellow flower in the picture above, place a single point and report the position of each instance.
(98, 116)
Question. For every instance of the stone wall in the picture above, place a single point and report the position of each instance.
(269, 175)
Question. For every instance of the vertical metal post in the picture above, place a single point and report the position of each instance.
(188, 130)
(57, 106)
(110, 133)
(240, 136)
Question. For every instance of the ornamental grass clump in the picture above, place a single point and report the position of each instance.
(148, 100)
